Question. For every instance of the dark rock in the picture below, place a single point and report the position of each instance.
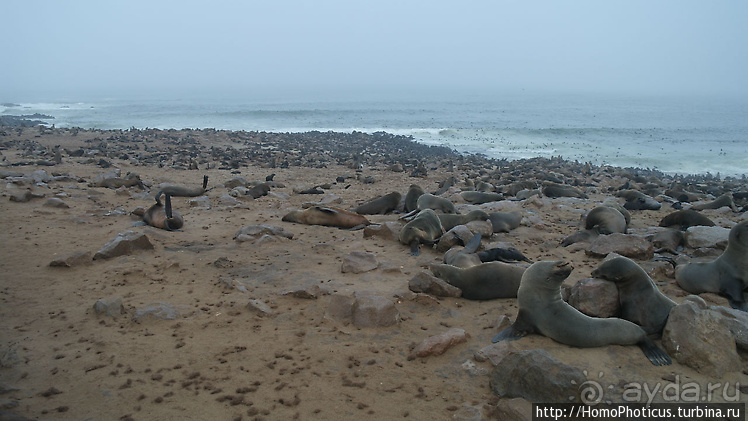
(124, 243)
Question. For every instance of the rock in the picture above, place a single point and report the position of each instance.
(429, 284)
(310, 292)
(110, 307)
(40, 176)
(75, 259)
(157, 311)
(21, 196)
(359, 262)
(458, 235)
(701, 236)
(388, 230)
(200, 202)
(227, 200)
(737, 322)
(438, 344)
(536, 376)
(700, 338)
(259, 308)
(485, 228)
(632, 246)
(340, 308)
(56, 202)
(124, 243)
(374, 311)
(494, 352)
(516, 409)
(254, 232)
(595, 297)
(235, 182)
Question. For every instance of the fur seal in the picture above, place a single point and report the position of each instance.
(641, 301)
(636, 200)
(727, 275)
(327, 216)
(381, 205)
(606, 220)
(411, 198)
(130, 180)
(162, 216)
(450, 221)
(183, 191)
(501, 254)
(464, 257)
(724, 200)
(505, 221)
(479, 197)
(439, 204)
(684, 219)
(425, 228)
(562, 190)
(485, 281)
(542, 310)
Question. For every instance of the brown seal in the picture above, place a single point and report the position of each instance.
(479, 197)
(641, 301)
(425, 228)
(380, 205)
(327, 216)
(162, 216)
(184, 191)
(562, 190)
(411, 198)
(727, 275)
(485, 281)
(542, 310)
(724, 200)
(505, 221)
(684, 219)
(450, 221)
(636, 200)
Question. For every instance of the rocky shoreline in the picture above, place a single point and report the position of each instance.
(240, 315)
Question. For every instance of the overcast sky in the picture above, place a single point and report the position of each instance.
(673, 46)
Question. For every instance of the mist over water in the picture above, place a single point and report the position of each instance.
(686, 135)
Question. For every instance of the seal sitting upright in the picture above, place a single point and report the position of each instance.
(542, 310)
(727, 275)
(641, 300)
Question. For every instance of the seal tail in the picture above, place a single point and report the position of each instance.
(655, 355)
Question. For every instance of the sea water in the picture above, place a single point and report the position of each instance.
(672, 134)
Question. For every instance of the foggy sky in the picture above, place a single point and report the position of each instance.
(674, 46)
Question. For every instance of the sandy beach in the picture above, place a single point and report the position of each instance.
(215, 326)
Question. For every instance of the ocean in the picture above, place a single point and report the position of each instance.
(672, 134)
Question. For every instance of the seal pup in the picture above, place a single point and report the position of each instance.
(162, 216)
(439, 204)
(636, 200)
(542, 310)
(425, 228)
(485, 281)
(684, 219)
(411, 198)
(327, 216)
(727, 275)
(606, 220)
(450, 221)
(503, 254)
(724, 200)
(380, 205)
(505, 221)
(641, 301)
(184, 191)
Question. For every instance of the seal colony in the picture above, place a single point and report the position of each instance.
(279, 299)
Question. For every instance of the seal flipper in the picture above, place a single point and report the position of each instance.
(738, 305)
(472, 245)
(734, 294)
(519, 329)
(655, 355)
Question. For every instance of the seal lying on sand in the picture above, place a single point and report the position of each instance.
(727, 275)
(641, 300)
(505, 221)
(724, 200)
(450, 221)
(636, 200)
(184, 191)
(684, 219)
(162, 216)
(327, 216)
(380, 205)
(411, 198)
(478, 197)
(542, 310)
(485, 281)
(602, 220)
(425, 228)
